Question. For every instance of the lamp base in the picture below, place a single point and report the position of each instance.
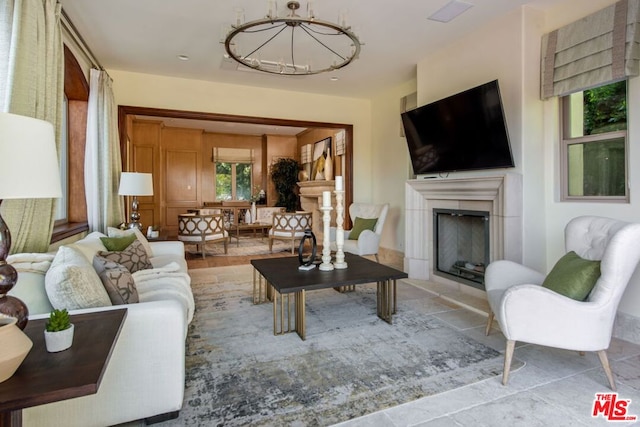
(137, 225)
(13, 307)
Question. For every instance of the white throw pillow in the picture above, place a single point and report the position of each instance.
(72, 283)
(90, 245)
(116, 232)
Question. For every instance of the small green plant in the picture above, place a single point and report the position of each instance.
(58, 321)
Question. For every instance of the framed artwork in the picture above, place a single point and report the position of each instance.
(322, 160)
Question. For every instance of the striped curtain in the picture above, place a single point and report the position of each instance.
(598, 49)
(31, 84)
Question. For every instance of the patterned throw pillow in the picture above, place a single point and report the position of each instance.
(134, 258)
(117, 280)
(71, 282)
(116, 232)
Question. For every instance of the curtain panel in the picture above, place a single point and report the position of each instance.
(102, 165)
(31, 84)
(598, 49)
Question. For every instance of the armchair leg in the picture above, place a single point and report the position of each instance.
(377, 259)
(489, 323)
(604, 360)
(508, 355)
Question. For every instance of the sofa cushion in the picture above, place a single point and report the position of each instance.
(89, 245)
(72, 283)
(117, 280)
(573, 277)
(134, 257)
(118, 243)
(116, 232)
(361, 224)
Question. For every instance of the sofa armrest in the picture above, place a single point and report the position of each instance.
(145, 375)
(173, 247)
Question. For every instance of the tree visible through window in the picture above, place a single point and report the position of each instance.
(594, 135)
(233, 181)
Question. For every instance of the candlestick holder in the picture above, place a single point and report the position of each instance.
(340, 263)
(326, 243)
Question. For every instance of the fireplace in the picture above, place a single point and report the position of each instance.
(461, 245)
(500, 195)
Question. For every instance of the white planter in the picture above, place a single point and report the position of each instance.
(58, 341)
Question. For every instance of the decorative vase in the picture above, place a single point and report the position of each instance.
(58, 341)
(254, 212)
(15, 347)
(328, 168)
(303, 175)
(305, 257)
(247, 216)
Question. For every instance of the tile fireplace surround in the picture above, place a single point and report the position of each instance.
(500, 195)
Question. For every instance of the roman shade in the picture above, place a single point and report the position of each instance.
(598, 49)
(232, 155)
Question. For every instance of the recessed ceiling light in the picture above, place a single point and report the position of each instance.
(334, 79)
(450, 10)
(183, 57)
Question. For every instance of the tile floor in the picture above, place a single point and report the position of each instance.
(553, 388)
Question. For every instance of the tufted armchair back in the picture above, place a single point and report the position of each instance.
(615, 244)
(368, 210)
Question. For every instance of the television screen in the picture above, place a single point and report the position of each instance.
(466, 131)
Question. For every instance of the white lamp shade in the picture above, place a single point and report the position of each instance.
(28, 158)
(136, 184)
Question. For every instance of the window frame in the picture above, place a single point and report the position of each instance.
(566, 142)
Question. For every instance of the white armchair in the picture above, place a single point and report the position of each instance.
(368, 242)
(528, 312)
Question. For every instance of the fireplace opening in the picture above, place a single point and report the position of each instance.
(461, 245)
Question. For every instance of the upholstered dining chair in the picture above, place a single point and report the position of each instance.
(289, 226)
(575, 305)
(364, 236)
(199, 230)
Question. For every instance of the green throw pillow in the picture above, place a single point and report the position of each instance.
(118, 243)
(361, 224)
(573, 277)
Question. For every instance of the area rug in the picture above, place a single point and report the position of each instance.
(246, 246)
(351, 364)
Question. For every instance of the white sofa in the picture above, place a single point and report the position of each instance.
(145, 377)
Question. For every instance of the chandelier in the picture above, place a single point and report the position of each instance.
(291, 45)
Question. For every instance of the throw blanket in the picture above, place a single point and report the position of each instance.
(31, 262)
(165, 283)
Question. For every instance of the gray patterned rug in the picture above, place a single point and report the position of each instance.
(351, 364)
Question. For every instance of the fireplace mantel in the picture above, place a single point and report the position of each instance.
(500, 195)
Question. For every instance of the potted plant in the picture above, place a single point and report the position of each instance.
(284, 174)
(58, 334)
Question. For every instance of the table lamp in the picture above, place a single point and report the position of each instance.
(28, 170)
(135, 184)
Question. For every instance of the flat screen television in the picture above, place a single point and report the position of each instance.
(465, 131)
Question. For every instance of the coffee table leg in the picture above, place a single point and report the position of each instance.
(301, 323)
(385, 300)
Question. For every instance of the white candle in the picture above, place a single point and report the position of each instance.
(339, 186)
(326, 198)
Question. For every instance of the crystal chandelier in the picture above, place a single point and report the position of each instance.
(291, 45)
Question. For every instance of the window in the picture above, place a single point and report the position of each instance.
(594, 144)
(233, 181)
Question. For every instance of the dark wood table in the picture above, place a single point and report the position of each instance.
(50, 377)
(283, 276)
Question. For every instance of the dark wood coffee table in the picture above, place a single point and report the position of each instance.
(283, 276)
(50, 377)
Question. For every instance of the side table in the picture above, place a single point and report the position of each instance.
(50, 377)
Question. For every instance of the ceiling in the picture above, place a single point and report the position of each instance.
(148, 36)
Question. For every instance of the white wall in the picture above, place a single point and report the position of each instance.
(509, 50)
(390, 162)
